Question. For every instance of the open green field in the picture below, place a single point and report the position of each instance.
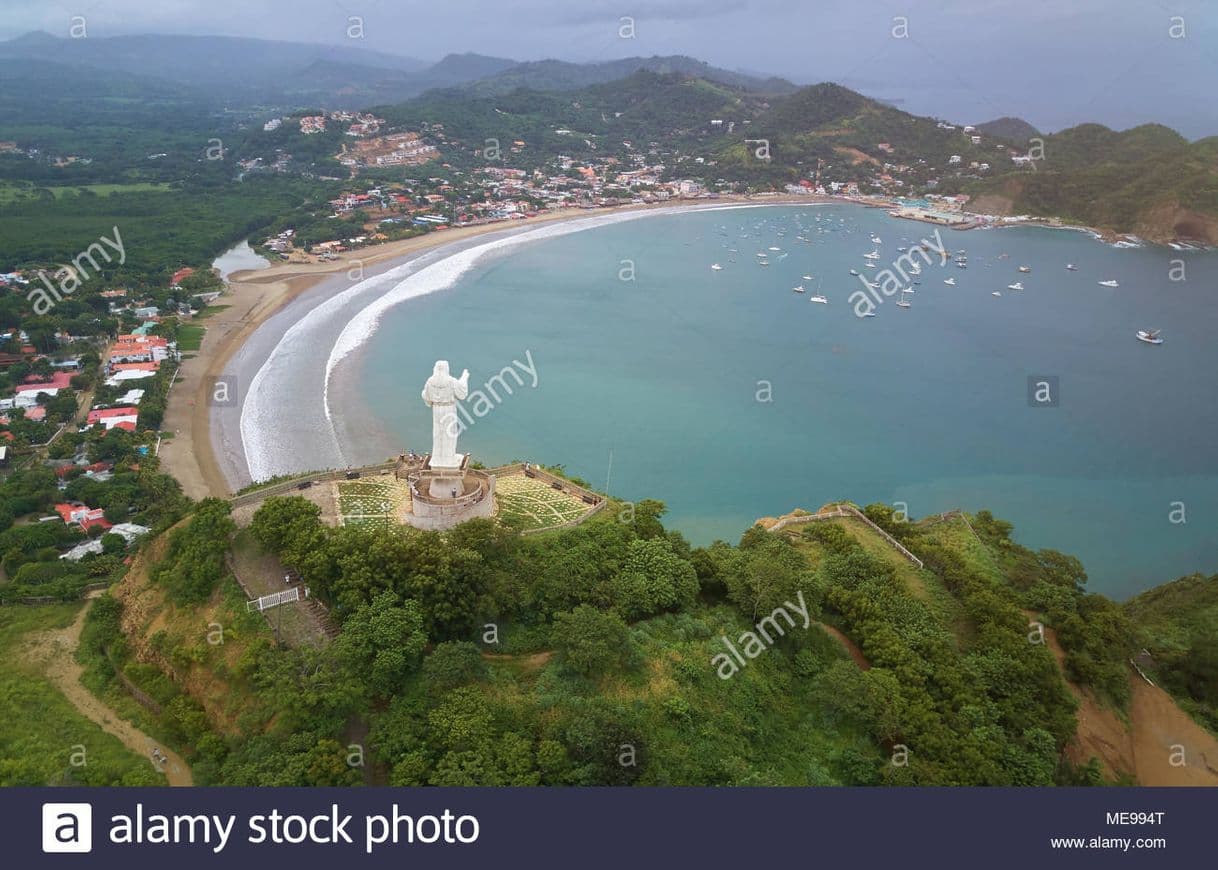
(41, 733)
(190, 338)
(11, 191)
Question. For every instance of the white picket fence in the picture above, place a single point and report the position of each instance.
(273, 600)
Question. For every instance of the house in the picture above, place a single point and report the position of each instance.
(139, 348)
(128, 531)
(111, 417)
(26, 396)
(131, 372)
(83, 515)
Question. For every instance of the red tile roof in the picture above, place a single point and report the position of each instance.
(57, 381)
(106, 413)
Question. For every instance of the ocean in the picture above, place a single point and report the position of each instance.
(730, 397)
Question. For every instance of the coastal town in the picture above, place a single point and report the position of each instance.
(504, 188)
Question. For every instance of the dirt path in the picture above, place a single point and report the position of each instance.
(851, 648)
(55, 652)
(1160, 745)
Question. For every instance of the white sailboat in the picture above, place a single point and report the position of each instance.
(715, 267)
(1150, 336)
(799, 288)
(1018, 285)
(903, 302)
(1109, 283)
(874, 255)
(950, 282)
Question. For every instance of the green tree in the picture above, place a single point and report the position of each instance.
(591, 641)
(383, 643)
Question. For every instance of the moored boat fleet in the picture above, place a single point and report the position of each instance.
(909, 273)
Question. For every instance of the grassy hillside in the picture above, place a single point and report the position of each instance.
(613, 653)
(1148, 180)
(44, 740)
(1178, 625)
(600, 654)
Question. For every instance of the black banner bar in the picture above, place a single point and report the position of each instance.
(610, 828)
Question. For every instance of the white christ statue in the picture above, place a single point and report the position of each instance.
(441, 393)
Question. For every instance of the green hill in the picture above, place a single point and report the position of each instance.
(1148, 180)
(560, 75)
(1178, 627)
(1014, 130)
(613, 653)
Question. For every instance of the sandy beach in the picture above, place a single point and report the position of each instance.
(204, 451)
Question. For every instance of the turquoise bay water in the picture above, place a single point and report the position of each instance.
(926, 405)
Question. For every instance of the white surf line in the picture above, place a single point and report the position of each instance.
(443, 274)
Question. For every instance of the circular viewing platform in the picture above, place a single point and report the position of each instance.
(471, 494)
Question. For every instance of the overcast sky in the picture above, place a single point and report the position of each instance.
(1053, 62)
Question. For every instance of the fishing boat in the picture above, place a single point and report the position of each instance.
(715, 267)
(1150, 336)
(950, 282)
(1109, 283)
(1018, 285)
